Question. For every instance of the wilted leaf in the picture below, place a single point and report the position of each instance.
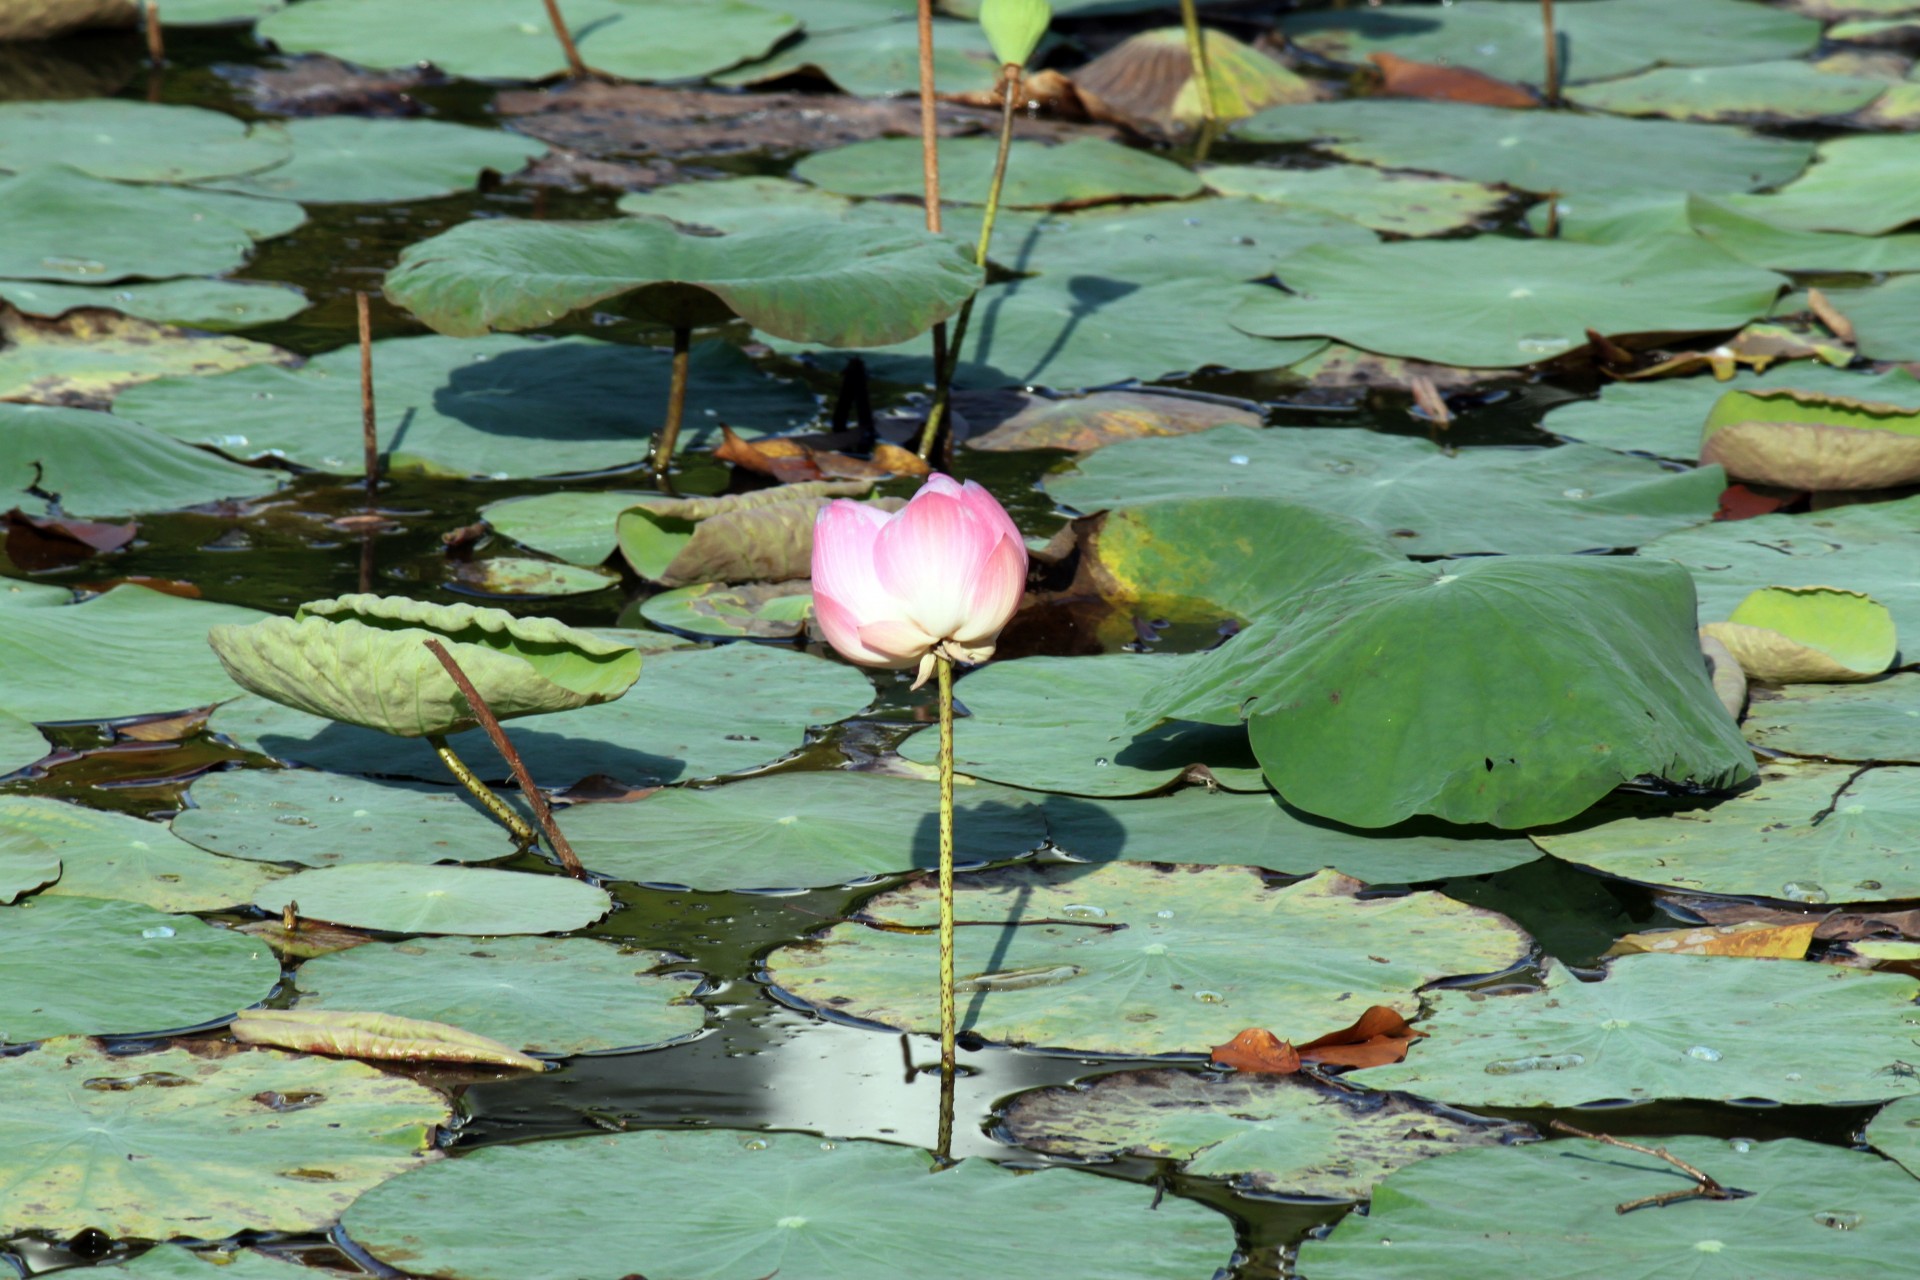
(306, 939)
(1377, 1037)
(87, 357)
(1810, 440)
(1406, 78)
(35, 543)
(382, 1036)
(1149, 80)
(763, 535)
(1014, 421)
(1793, 635)
(1257, 1051)
(1750, 938)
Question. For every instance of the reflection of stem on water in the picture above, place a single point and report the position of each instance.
(676, 402)
(366, 562)
(493, 804)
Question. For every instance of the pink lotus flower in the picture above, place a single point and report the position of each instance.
(938, 578)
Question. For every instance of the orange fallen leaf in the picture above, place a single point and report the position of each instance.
(1257, 1052)
(1378, 1038)
(1405, 78)
(1756, 939)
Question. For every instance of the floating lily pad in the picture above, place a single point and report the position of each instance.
(797, 829)
(501, 40)
(21, 743)
(727, 205)
(114, 855)
(805, 1209)
(1271, 1136)
(1804, 440)
(1597, 42)
(171, 1262)
(1663, 416)
(1521, 690)
(1874, 720)
(175, 1144)
(1536, 151)
(1199, 825)
(1194, 963)
(510, 274)
(1791, 635)
(88, 357)
(103, 465)
(1872, 547)
(1895, 1133)
(547, 995)
(1828, 196)
(198, 304)
(1808, 833)
(1495, 302)
(73, 966)
(1536, 1213)
(326, 819)
(574, 525)
(136, 141)
(123, 653)
(358, 160)
(742, 537)
(1429, 501)
(762, 610)
(521, 576)
(26, 863)
(1782, 90)
(398, 897)
(699, 713)
(1059, 724)
(1406, 204)
(498, 406)
(1883, 317)
(1039, 176)
(878, 60)
(65, 226)
(1740, 226)
(1666, 1026)
(194, 13)
(1081, 424)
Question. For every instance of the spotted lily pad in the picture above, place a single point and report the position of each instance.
(172, 1262)
(1406, 204)
(73, 966)
(1808, 833)
(218, 305)
(513, 576)
(546, 995)
(799, 1207)
(1667, 1026)
(1873, 720)
(398, 897)
(757, 610)
(134, 141)
(87, 358)
(1791, 635)
(1039, 176)
(175, 1144)
(1270, 1136)
(361, 160)
(875, 60)
(1131, 959)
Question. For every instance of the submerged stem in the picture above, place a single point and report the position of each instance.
(944, 667)
(676, 402)
(1197, 51)
(493, 804)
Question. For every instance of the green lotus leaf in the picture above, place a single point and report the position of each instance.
(1039, 176)
(1771, 91)
(357, 160)
(1081, 424)
(360, 659)
(755, 610)
(84, 966)
(1136, 960)
(1870, 720)
(383, 1037)
(1739, 225)
(1828, 197)
(742, 537)
(727, 205)
(1895, 1132)
(398, 897)
(218, 305)
(1538, 151)
(1407, 204)
(174, 1144)
(546, 995)
(172, 1262)
(1808, 833)
(517, 576)
(21, 743)
(103, 465)
(195, 13)
(1883, 317)
(1806, 440)
(1515, 690)
(26, 863)
(1539, 1213)
(793, 1205)
(1796, 635)
(1666, 1026)
(498, 40)
(1014, 27)
(1496, 302)
(1276, 1135)
(573, 525)
(823, 287)
(115, 855)
(877, 61)
(132, 141)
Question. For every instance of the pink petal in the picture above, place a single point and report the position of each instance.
(844, 534)
(837, 623)
(927, 558)
(996, 593)
(902, 643)
(988, 511)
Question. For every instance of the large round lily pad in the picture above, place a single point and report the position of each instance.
(1667, 1026)
(1140, 960)
(358, 160)
(1780, 90)
(699, 713)
(1059, 724)
(1084, 171)
(1541, 1212)
(113, 855)
(1496, 302)
(86, 966)
(172, 1262)
(129, 651)
(89, 357)
(876, 60)
(400, 897)
(497, 406)
(175, 1144)
(578, 526)
(1882, 318)
(1427, 500)
(26, 863)
(136, 141)
(1828, 197)
(1201, 825)
(219, 305)
(1406, 204)
(1281, 1135)
(821, 287)
(21, 743)
(797, 829)
(1536, 151)
(503, 40)
(326, 819)
(1808, 833)
(103, 465)
(790, 1204)
(1878, 720)
(1895, 1132)
(1515, 690)
(545, 995)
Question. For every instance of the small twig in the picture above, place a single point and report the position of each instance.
(156, 42)
(1705, 1186)
(575, 67)
(1552, 85)
(369, 431)
(482, 712)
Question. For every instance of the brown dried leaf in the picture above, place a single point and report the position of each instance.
(1748, 938)
(1404, 78)
(1831, 316)
(306, 939)
(1257, 1052)
(35, 543)
(173, 728)
(1378, 1038)
(381, 1036)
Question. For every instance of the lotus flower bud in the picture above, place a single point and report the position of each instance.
(938, 578)
(1014, 28)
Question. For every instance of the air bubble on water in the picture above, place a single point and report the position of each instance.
(755, 1144)
(1209, 997)
(1702, 1053)
(1742, 1145)
(1239, 459)
(1082, 911)
(158, 931)
(828, 1146)
(1803, 891)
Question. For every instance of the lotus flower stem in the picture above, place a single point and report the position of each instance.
(676, 402)
(1197, 50)
(156, 42)
(944, 671)
(369, 429)
(930, 156)
(575, 67)
(1552, 85)
(480, 791)
(488, 721)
